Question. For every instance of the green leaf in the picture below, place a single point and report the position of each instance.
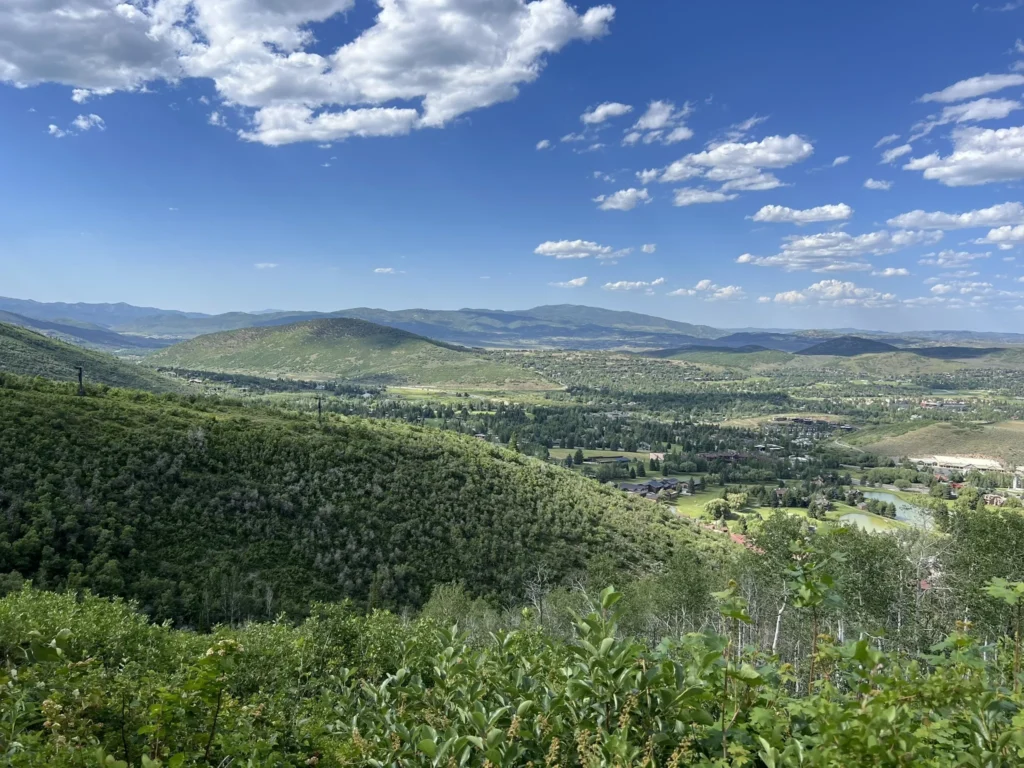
(609, 597)
(523, 709)
(747, 674)
(710, 658)
(428, 748)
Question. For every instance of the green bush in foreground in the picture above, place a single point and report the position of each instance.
(87, 682)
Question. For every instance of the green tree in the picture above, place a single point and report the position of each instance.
(1011, 594)
(717, 509)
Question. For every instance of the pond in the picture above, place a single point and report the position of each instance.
(867, 522)
(905, 511)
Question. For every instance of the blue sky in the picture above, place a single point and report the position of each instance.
(230, 155)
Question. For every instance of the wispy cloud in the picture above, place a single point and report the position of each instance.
(576, 282)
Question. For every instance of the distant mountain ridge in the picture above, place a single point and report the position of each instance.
(83, 334)
(106, 315)
(558, 326)
(553, 326)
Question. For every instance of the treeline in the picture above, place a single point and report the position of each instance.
(208, 511)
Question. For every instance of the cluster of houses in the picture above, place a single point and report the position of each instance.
(946, 405)
(949, 464)
(657, 488)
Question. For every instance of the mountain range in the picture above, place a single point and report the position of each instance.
(124, 327)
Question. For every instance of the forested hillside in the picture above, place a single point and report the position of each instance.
(209, 511)
(28, 353)
(342, 348)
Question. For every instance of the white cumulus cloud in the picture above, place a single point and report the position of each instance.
(1005, 237)
(572, 249)
(891, 272)
(605, 111)
(623, 200)
(878, 184)
(633, 285)
(979, 156)
(741, 164)
(88, 122)
(841, 160)
(837, 293)
(711, 291)
(996, 215)
(699, 195)
(838, 251)
(544, 144)
(649, 247)
(782, 214)
(265, 265)
(439, 58)
(663, 123)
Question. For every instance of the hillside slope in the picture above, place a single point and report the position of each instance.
(27, 353)
(213, 511)
(83, 334)
(342, 348)
(1003, 441)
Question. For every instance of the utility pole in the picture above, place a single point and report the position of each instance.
(81, 382)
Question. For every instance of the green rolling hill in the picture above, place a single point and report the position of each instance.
(343, 348)
(848, 346)
(208, 511)
(27, 353)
